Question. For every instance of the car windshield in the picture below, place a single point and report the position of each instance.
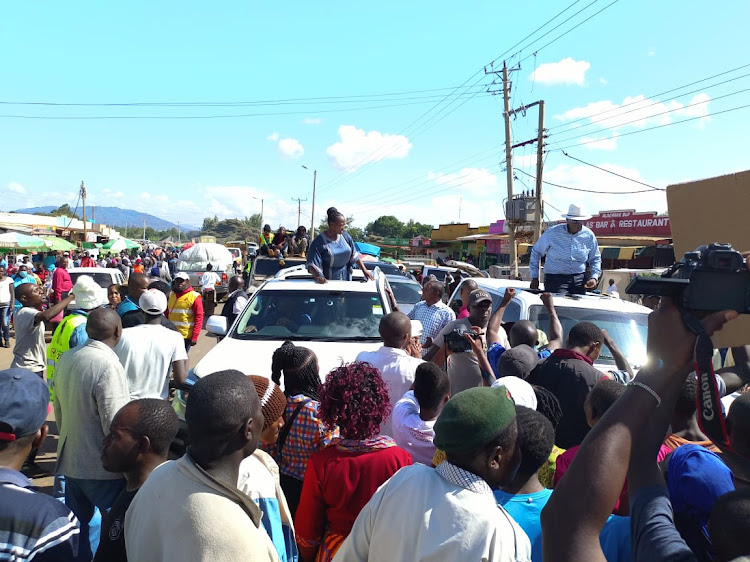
(101, 279)
(269, 268)
(387, 268)
(629, 330)
(407, 293)
(311, 315)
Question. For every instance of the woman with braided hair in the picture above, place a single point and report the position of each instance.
(303, 433)
(342, 478)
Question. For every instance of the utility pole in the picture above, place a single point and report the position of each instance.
(178, 232)
(509, 171)
(83, 198)
(299, 208)
(539, 209)
(93, 213)
(312, 212)
(460, 200)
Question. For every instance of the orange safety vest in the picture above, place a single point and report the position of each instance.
(180, 312)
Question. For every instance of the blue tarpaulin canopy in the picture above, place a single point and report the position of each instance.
(369, 249)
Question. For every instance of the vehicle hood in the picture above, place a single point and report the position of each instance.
(254, 357)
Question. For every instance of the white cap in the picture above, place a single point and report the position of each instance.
(153, 302)
(88, 293)
(182, 275)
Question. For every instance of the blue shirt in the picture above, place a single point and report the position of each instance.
(567, 254)
(333, 259)
(433, 318)
(526, 509)
(34, 524)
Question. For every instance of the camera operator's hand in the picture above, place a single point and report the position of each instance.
(671, 341)
(474, 340)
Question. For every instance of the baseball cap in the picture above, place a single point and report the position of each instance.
(24, 401)
(153, 301)
(477, 296)
(182, 275)
(517, 361)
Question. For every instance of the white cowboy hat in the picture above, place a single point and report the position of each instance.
(575, 213)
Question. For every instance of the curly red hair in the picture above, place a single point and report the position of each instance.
(354, 398)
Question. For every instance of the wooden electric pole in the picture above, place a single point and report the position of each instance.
(299, 208)
(539, 207)
(83, 198)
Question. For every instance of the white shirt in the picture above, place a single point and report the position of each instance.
(442, 513)
(30, 351)
(412, 432)
(209, 281)
(397, 369)
(5, 286)
(147, 352)
(612, 290)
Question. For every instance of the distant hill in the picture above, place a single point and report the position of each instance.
(114, 216)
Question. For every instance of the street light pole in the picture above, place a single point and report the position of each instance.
(312, 212)
(261, 211)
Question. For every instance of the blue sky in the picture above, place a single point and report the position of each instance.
(432, 154)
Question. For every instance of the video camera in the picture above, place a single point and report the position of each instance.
(456, 342)
(710, 278)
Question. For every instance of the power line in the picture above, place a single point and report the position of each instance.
(657, 127)
(655, 115)
(589, 190)
(641, 108)
(469, 160)
(571, 29)
(613, 173)
(361, 98)
(370, 159)
(659, 94)
(220, 116)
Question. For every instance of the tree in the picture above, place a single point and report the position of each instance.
(386, 226)
(210, 223)
(64, 211)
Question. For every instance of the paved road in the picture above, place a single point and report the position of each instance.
(47, 456)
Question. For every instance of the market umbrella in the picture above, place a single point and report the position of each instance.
(187, 245)
(120, 244)
(18, 241)
(58, 244)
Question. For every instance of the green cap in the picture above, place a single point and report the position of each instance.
(472, 418)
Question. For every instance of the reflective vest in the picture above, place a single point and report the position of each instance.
(60, 344)
(180, 312)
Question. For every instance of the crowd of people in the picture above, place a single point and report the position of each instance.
(461, 438)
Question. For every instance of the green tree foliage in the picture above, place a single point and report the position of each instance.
(389, 226)
(247, 228)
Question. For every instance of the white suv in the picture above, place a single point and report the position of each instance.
(625, 322)
(336, 320)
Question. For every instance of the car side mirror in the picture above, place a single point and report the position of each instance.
(217, 325)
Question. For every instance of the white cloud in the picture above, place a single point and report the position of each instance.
(312, 120)
(291, 148)
(475, 180)
(604, 143)
(639, 112)
(586, 177)
(273, 137)
(603, 81)
(357, 148)
(567, 71)
(16, 187)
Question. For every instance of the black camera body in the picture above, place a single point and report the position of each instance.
(456, 342)
(709, 279)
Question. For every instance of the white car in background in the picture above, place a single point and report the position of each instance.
(336, 320)
(625, 322)
(103, 276)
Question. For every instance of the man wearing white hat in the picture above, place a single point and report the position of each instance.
(568, 248)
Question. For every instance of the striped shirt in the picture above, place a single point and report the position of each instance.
(34, 526)
(567, 254)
